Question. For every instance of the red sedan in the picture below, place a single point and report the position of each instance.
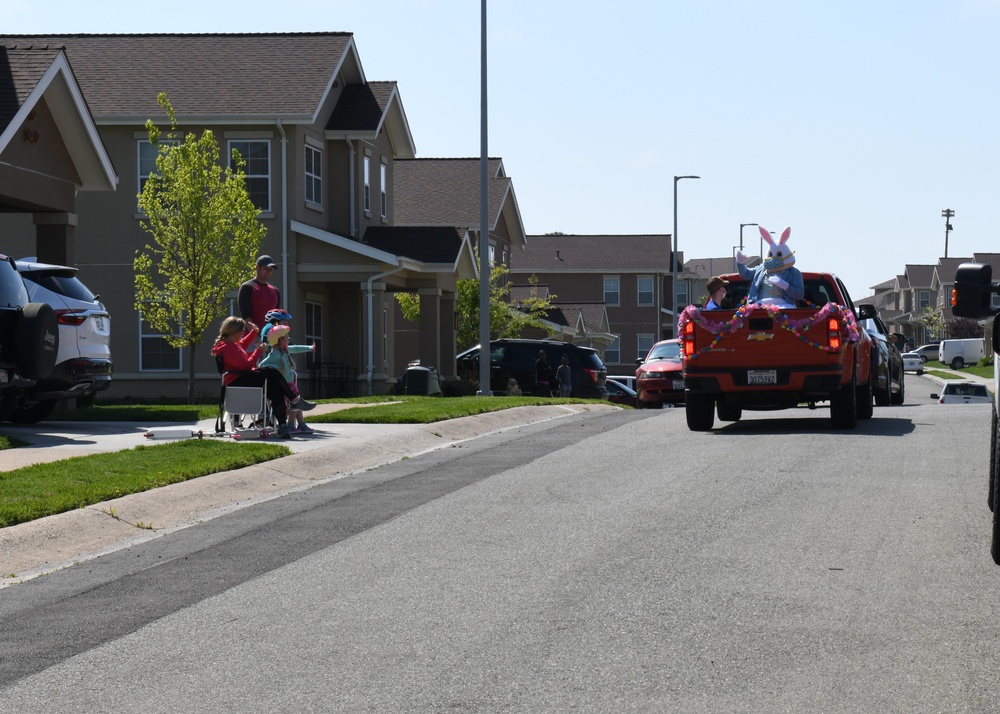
(658, 380)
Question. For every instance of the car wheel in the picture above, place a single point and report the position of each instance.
(727, 412)
(8, 403)
(843, 406)
(700, 412)
(35, 413)
(898, 397)
(37, 340)
(957, 363)
(866, 399)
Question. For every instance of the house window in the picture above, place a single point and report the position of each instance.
(147, 159)
(368, 186)
(314, 175)
(644, 291)
(493, 254)
(612, 291)
(382, 180)
(155, 354)
(504, 256)
(313, 332)
(924, 299)
(613, 352)
(643, 344)
(682, 294)
(257, 155)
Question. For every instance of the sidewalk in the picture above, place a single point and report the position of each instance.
(334, 451)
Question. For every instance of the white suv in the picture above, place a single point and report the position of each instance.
(83, 364)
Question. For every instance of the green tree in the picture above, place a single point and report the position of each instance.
(205, 233)
(506, 320)
(934, 323)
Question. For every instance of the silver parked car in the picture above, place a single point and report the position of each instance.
(83, 363)
(963, 393)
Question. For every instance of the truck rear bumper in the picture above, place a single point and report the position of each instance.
(806, 384)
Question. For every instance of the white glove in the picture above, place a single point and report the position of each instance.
(775, 280)
(741, 257)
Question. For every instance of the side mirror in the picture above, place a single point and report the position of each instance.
(935, 396)
(867, 312)
(971, 296)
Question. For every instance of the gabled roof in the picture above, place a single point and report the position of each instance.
(442, 245)
(594, 253)
(29, 76)
(439, 191)
(919, 276)
(207, 77)
(364, 109)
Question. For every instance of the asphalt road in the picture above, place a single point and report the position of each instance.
(603, 562)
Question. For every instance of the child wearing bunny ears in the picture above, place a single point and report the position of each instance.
(775, 281)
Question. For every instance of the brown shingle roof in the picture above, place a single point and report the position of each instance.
(204, 75)
(606, 253)
(445, 191)
(20, 72)
(428, 244)
(919, 275)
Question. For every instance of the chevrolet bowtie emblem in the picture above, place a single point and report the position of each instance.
(760, 336)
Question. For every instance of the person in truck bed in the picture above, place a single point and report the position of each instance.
(775, 281)
(716, 287)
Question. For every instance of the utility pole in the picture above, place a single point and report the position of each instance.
(947, 214)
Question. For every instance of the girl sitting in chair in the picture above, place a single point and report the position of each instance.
(240, 370)
(280, 358)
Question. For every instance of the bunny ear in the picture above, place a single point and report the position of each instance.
(784, 234)
(766, 235)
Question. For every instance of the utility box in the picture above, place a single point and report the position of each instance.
(422, 381)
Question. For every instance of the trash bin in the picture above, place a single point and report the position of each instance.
(422, 380)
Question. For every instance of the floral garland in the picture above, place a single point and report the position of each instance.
(796, 327)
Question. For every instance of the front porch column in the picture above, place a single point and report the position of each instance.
(448, 322)
(55, 238)
(375, 325)
(430, 328)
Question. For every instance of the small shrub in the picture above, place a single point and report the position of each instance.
(459, 388)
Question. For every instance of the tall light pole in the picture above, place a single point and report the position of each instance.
(742, 226)
(673, 260)
(484, 225)
(947, 214)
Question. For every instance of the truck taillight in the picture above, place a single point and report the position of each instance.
(592, 373)
(833, 333)
(688, 339)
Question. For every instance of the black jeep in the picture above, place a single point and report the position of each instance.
(29, 338)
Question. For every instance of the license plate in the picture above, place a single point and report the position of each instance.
(762, 376)
(678, 385)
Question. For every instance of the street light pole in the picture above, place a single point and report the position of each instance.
(742, 226)
(673, 260)
(947, 214)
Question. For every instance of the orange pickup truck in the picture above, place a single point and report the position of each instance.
(765, 357)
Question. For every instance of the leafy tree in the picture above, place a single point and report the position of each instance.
(506, 320)
(934, 323)
(963, 328)
(205, 233)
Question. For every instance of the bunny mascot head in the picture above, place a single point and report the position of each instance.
(776, 281)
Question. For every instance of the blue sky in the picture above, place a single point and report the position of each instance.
(855, 123)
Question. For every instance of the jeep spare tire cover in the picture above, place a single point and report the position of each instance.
(37, 341)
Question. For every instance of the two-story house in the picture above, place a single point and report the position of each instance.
(321, 143)
(631, 274)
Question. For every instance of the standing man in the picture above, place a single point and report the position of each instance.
(257, 296)
(564, 378)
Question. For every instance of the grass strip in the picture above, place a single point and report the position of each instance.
(426, 410)
(46, 489)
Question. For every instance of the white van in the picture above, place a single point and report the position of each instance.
(959, 353)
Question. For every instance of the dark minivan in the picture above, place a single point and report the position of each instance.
(514, 358)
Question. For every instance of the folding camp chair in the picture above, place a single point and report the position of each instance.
(237, 404)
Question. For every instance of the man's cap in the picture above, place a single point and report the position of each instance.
(715, 282)
(266, 261)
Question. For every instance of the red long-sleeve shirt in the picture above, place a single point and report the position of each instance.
(235, 358)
